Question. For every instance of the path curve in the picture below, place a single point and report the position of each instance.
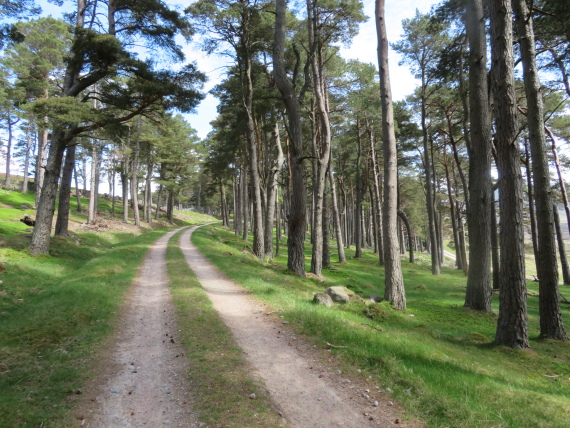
(296, 383)
(145, 378)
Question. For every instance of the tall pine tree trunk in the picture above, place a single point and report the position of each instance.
(272, 190)
(125, 189)
(245, 203)
(298, 202)
(46, 207)
(11, 122)
(148, 192)
(62, 221)
(60, 138)
(336, 215)
(158, 201)
(255, 182)
(41, 160)
(237, 203)
(531, 205)
(358, 204)
(551, 325)
(393, 279)
(495, 263)
(561, 249)
(326, 229)
(512, 327)
(323, 154)
(453, 216)
(77, 192)
(377, 179)
(430, 206)
(406, 222)
(134, 176)
(478, 294)
(27, 157)
(92, 210)
(559, 173)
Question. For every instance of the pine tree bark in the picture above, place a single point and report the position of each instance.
(323, 154)
(336, 215)
(125, 190)
(223, 203)
(495, 263)
(60, 138)
(298, 204)
(551, 325)
(453, 215)
(512, 327)
(394, 281)
(377, 197)
(244, 203)
(255, 182)
(41, 160)
(148, 192)
(93, 194)
(559, 173)
(11, 123)
(62, 221)
(406, 222)
(170, 206)
(561, 249)
(358, 204)
(326, 229)
(478, 294)
(27, 158)
(435, 261)
(134, 176)
(98, 175)
(272, 188)
(531, 210)
(77, 192)
(158, 201)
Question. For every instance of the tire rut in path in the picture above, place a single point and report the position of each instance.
(295, 382)
(145, 381)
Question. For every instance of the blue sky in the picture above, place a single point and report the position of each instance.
(363, 48)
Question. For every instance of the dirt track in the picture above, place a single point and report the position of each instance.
(298, 378)
(143, 381)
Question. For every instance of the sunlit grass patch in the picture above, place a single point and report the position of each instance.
(436, 356)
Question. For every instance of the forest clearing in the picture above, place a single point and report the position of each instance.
(413, 249)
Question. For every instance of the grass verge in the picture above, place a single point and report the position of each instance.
(55, 311)
(437, 357)
(219, 373)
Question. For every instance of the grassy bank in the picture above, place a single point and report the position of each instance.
(56, 309)
(221, 397)
(437, 356)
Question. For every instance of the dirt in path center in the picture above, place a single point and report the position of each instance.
(297, 378)
(144, 378)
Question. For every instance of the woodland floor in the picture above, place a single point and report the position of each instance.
(142, 376)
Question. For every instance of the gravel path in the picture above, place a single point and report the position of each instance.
(298, 378)
(144, 381)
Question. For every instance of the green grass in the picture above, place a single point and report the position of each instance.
(437, 356)
(221, 396)
(55, 311)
